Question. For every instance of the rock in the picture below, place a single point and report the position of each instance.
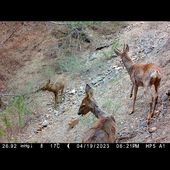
(63, 109)
(92, 57)
(148, 50)
(152, 129)
(97, 80)
(67, 91)
(45, 123)
(117, 68)
(81, 91)
(72, 91)
(47, 116)
(74, 102)
(56, 112)
(163, 133)
(81, 88)
(50, 109)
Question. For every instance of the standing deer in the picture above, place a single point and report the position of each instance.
(56, 88)
(144, 75)
(103, 131)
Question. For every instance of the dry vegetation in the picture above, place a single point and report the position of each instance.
(31, 53)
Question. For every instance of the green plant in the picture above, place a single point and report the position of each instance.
(18, 107)
(6, 121)
(71, 64)
(22, 109)
(109, 53)
(75, 36)
(77, 24)
(2, 132)
(13, 117)
(108, 104)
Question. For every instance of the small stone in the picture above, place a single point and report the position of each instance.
(163, 133)
(56, 112)
(50, 109)
(72, 91)
(74, 102)
(81, 88)
(47, 116)
(92, 57)
(152, 129)
(45, 123)
(117, 68)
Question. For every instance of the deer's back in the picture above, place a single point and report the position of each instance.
(103, 131)
(55, 87)
(145, 72)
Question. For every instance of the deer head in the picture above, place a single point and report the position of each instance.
(124, 51)
(88, 103)
(46, 86)
(124, 56)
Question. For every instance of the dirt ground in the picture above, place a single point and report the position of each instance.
(27, 57)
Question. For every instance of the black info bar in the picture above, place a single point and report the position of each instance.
(84, 146)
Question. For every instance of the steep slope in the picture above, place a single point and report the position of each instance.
(36, 58)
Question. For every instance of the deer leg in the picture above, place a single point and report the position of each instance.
(134, 99)
(155, 99)
(150, 114)
(56, 100)
(62, 90)
(151, 105)
(131, 92)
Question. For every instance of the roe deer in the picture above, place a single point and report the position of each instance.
(103, 131)
(144, 75)
(56, 88)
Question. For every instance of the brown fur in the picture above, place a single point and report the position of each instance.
(57, 88)
(73, 122)
(144, 75)
(104, 129)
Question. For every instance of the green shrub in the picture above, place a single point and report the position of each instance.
(71, 64)
(82, 24)
(108, 54)
(13, 117)
(2, 132)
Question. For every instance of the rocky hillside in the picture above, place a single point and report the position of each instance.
(79, 52)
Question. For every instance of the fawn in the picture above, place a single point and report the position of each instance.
(57, 88)
(144, 75)
(103, 131)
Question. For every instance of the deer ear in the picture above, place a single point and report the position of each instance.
(89, 90)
